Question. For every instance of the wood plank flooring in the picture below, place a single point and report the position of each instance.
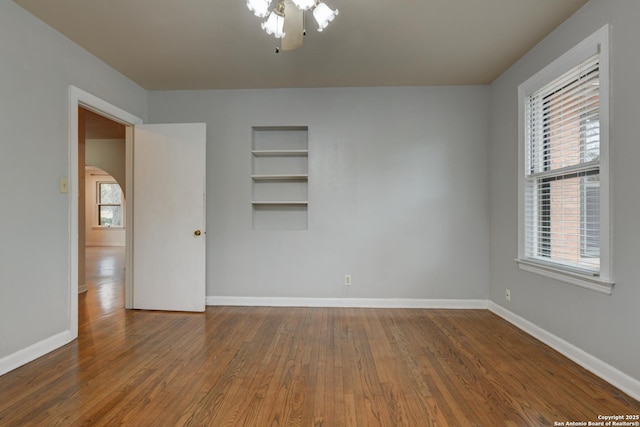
(243, 366)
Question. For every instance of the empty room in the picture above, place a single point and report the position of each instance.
(319, 213)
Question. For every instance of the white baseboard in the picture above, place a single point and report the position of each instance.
(29, 354)
(348, 302)
(619, 379)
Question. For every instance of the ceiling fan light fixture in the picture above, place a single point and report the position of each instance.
(323, 15)
(260, 8)
(275, 22)
(304, 4)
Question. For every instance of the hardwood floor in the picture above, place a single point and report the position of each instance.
(298, 367)
(105, 281)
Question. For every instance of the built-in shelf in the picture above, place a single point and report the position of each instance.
(280, 153)
(279, 175)
(289, 177)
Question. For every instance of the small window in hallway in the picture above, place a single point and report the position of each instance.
(109, 204)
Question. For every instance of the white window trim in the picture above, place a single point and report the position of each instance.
(596, 42)
(106, 227)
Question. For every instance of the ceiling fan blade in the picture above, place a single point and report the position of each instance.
(293, 26)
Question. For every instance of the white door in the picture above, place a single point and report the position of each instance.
(169, 217)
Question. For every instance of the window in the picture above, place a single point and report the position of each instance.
(109, 204)
(564, 219)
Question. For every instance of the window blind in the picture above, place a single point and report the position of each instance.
(562, 170)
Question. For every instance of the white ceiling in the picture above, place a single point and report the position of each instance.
(209, 44)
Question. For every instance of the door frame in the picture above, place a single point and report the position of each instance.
(80, 98)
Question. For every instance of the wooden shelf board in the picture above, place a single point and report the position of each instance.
(300, 177)
(280, 202)
(280, 153)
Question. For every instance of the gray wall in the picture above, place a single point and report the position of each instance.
(604, 326)
(108, 155)
(37, 65)
(398, 194)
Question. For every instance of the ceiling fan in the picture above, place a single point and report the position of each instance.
(286, 20)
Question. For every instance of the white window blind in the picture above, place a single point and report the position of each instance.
(562, 170)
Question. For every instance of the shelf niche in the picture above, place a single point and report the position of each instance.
(279, 177)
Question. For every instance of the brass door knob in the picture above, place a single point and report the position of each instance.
(197, 232)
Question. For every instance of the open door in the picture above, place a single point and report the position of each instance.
(169, 217)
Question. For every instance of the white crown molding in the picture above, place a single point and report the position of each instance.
(31, 353)
(619, 379)
(347, 302)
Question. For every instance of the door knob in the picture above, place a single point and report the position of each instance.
(197, 232)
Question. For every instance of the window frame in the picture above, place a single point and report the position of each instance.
(596, 43)
(99, 205)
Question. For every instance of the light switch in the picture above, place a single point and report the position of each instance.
(64, 185)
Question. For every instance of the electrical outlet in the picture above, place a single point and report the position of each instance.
(347, 280)
(508, 295)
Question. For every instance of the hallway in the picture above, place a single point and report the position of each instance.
(105, 283)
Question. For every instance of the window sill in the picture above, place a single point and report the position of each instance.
(588, 282)
(101, 227)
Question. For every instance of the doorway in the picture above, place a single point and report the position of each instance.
(101, 180)
(170, 171)
(110, 117)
